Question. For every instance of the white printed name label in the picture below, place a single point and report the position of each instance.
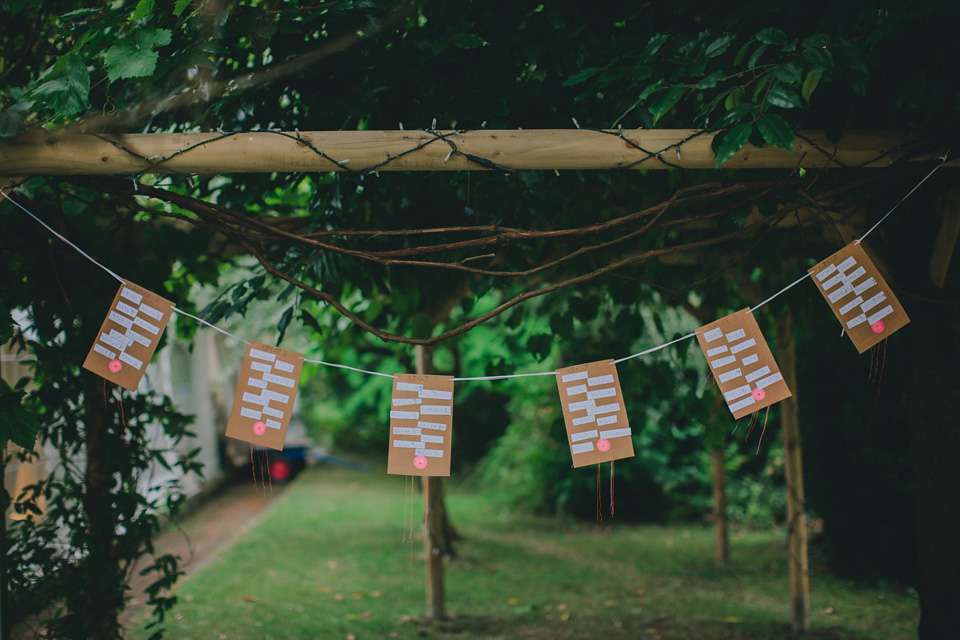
(749, 378)
(859, 296)
(266, 391)
(421, 421)
(128, 336)
(591, 397)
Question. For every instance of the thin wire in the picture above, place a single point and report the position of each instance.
(515, 375)
(212, 326)
(942, 159)
(792, 284)
(652, 349)
(343, 366)
(51, 230)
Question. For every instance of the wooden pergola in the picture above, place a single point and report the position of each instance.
(506, 150)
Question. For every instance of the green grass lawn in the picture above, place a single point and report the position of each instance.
(329, 560)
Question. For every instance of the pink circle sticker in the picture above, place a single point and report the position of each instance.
(877, 326)
(115, 366)
(420, 462)
(758, 394)
(259, 427)
(603, 445)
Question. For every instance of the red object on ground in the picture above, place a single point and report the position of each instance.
(280, 470)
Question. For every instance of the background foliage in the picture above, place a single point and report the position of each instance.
(755, 72)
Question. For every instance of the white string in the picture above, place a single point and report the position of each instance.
(343, 366)
(212, 326)
(50, 229)
(652, 349)
(792, 284)
(514, 375)
(942, 159)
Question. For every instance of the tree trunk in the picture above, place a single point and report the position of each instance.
(793, 462)
(103, 588)
(721, 535)
(434, 515)
(436, 594)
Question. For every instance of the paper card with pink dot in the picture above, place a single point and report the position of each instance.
(859, 296)
(266, 391)
(421, 421)
(128, 336)
(742, 364)
(594, 413)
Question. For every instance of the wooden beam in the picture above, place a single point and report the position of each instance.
(278, 151)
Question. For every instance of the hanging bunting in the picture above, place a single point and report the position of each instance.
(266, 390)
(742, 364)
(594, 413)
(129, 336)
(859, 296)
(421, 422)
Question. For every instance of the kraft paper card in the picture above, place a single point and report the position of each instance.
(859, 296)
(594, 413)
(421, 421)
(266, 391)
(742, 364)
(129, 336)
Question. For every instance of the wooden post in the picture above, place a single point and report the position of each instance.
(433, 517)
(793, 462)
(721, 537)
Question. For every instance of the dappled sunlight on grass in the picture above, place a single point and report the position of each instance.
(330, 560)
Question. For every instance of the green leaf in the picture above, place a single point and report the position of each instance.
(734, 115)
(68, 94)
(79, 13)
(772, 36)
(816, 41)
(736, 97)
(710, 81)
(818, 59)
(742, 53)
(152, 38)
(309, 321)
(581, 76)
(784, 98)
(776, 131)
(468, 41)
(810, 83)
(180, 7)
(284, 323)
(733, 141)
(790, 73)
(720, 45)
(666, 102)
(144, 8)
(761, 86)
(17, 425)
(655, 42)
(12, 121)
(650, 88)
(850, 57)
(755, 56)
(133, 56)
